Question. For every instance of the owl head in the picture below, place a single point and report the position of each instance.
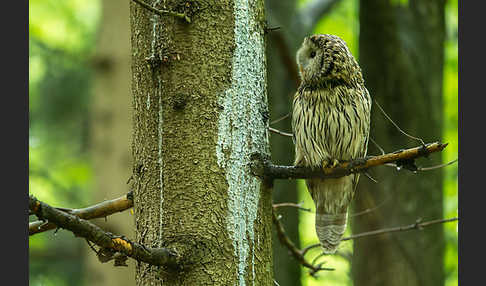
(326, 60)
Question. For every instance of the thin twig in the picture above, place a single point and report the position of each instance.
(377, 146)
(370, 177)
(163, 12)
(276, 131)
(99, 210)
(427, 168)
(280, 119)
(394, 124)
(296, 253)
(368, 210)
(307, 248)
(317, 257)
(298, 206)
(271, 29)
(416, 226)
(437, 166)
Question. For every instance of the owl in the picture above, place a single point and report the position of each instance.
(331, 123)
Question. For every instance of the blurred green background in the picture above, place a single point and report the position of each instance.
(62, 41)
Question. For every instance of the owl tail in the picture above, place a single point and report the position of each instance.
(331, 198)
(330, 229)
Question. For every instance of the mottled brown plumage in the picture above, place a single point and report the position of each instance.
(331, 122)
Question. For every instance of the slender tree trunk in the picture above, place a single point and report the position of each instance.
(110, 133)
(200, 111)
(401, 55)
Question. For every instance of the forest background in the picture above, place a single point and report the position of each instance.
(68, 68)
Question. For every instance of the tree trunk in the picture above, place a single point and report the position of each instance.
(401, 55)
(110, 135)
(200, 111)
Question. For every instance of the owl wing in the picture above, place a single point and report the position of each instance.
(364, 128)
(296, 119)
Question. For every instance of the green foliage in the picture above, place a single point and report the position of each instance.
(343, 21)
(58, 261)
(61, 37)
(399, 2)
(450, 136)
(66, 25)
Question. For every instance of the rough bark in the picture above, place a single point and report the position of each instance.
(110, 134)
(199, 101)
(401, 55)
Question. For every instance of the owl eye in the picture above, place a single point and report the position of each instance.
(312, 54)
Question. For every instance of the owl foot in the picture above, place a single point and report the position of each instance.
(331, 163)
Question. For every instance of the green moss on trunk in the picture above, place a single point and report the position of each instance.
(401, 55)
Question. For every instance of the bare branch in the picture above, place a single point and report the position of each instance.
(280, 119)
(108, 242)
(298, 206)
(416, 226)
(427, 168)
(102, 209)
(296, 253)
(377, 146)
(163, 12)
(396, 125)
(437, 166)
(368, 210)
(370, 177)
(276, 131)
(403, 158)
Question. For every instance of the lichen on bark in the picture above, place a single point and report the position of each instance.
(242, 131)
(177, 137)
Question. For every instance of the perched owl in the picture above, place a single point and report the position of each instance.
(331, 123)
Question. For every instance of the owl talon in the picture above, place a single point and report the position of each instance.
(330, 163)
(334, 163)
(325, 163)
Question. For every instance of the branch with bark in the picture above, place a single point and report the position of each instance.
(118, 247)
(262, 167)
(184, 16)
(404, 158)
(418, 225)
(107, 208)
(100, 210)
(296, 253)
(109, 243)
